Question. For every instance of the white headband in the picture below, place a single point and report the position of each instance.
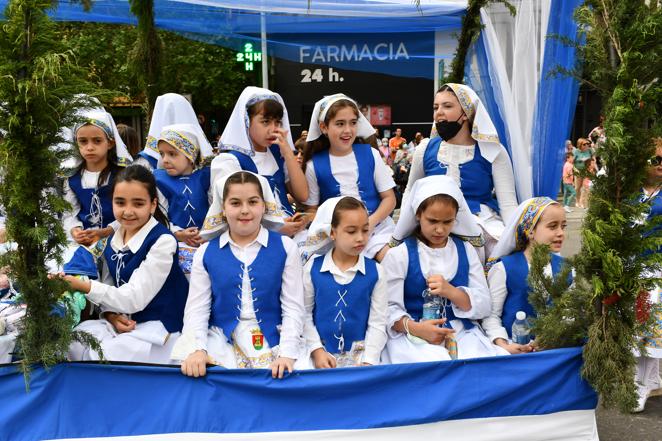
(465, 223)
(216, 223)
(322, 106)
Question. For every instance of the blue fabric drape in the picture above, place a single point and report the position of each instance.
(556, 101)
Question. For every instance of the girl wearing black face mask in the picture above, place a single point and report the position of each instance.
(466, 147)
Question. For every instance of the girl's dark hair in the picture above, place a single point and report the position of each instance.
(345, 204)
(322, 143)
(444, 199)
(130, 138)
(111, 167)
(242, 177)
(271, 109)
(138, 173)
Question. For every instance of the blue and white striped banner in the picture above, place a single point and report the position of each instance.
(528, 397)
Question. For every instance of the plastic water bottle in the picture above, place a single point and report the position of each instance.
(521, 332)
(431, 306)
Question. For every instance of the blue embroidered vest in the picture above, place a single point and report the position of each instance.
(186, 195)
(342, 311)
(168, 304)
(330, 188)
(276, 181)
(153, 162)
(517, 299)
(416, 284)
(476, 180)
(266, 273)
(96, 204)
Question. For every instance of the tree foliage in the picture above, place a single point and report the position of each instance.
(621, 59)
(208, 72)
(38, 78)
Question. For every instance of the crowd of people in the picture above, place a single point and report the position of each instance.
(284, 255)
(581, 167)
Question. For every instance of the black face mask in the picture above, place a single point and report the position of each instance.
(448, 129)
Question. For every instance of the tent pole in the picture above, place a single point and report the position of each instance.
(263, 40)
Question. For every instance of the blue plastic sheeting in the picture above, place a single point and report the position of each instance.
(557, 96)
(372, 36)
(94, 400)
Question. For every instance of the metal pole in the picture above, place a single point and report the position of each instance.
(263, 38)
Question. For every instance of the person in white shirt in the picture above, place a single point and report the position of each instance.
(101, 155)
(436, 262)
(344, 292)
(142, 290)
(258, 139)
(336, 166)
(466, 147)
(245, 305)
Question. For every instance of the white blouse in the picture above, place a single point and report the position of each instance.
(346, 171)
(226, 163)
(145, 282)
(198, 305)
(375, 337)
(443, 261)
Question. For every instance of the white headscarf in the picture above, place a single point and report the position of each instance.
(186, 139)
(520, 224)
(215, 222)
(322, 106)
(100, 118)
(483, 129)
(465, 223)
(319, 240)
(169, 109)
(236, 136)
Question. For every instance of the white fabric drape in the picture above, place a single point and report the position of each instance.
(515, 50)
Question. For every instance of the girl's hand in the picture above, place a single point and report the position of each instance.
(97, 234)
(281, 140)
(190, 236)
(513, 348)
(430, 330)
(372, 223)
(322, 359)
(280, 365)
(438, 285)
(195, 364)
(81, 236)
(120, 322)
(293, 225)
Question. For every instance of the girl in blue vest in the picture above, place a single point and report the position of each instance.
(102, 155)
(257, 139)
(169, 109)
(647, 374)
(339, 163)
(142, 290)
(245, 306)
(466, 147)
(435, 260)
(538, 220)
(344, 292)
(183, 181)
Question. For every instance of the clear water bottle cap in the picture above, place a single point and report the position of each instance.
(521, 315)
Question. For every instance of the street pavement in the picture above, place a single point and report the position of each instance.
(613, 425)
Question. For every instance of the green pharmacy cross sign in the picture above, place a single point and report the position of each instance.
(248, 57)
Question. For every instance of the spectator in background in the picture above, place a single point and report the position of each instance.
(591, 169)
(397, 140)
(130, 138)
(385, 150)
(598, 135)
(569, 148)
(414, 143)
(581, 154)
(568, 182)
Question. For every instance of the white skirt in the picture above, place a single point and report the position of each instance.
(380, 236)
(471, 343)
(150, 342)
